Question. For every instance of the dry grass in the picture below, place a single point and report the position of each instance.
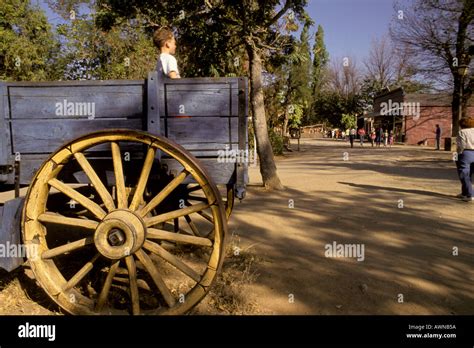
(15, 300)
(229, 294)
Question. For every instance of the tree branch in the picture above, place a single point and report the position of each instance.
(285, 8)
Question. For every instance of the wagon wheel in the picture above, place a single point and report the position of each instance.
(110, 255)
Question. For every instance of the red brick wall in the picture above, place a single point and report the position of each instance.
(424, 127)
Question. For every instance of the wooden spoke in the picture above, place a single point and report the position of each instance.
(201, 199)
(194, 188)
(58, 219)
(175, 214)
(140, 283)
(132, 274)
(173, 260)
(106, 288)
(138, 196)
(164, 193)
(93, 207)
(157, 279)
(95, 180)
(206, 216)
(203, 214)
(81, 273)
(154, 233)
(192, 225)
(48, 254)
(119, 178)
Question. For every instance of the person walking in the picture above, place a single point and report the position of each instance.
(438, 136)
(465, 162)
(379, 136)
(385, 138)
(352, 135)
(372, 137)
(361, 133)
(390, 138)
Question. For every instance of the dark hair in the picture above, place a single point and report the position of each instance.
(437, 125)
(160, 36)
(467, 122)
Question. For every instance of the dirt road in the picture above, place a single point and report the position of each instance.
(399, 203)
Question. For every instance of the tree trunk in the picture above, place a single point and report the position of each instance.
(264, 148)
(455, 106)
(284, 131)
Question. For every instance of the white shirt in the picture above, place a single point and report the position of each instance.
(169, 64)
(465, 140)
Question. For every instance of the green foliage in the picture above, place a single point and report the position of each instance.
(124, 51)
(318, 76)
(348, 121)
(27, 44)
(296, 116)
(320, 60)
(277, 142)
(331, 106)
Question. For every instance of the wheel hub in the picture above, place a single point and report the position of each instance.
(116, 237)
(121, 233)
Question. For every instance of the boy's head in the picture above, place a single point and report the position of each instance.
(164, 39)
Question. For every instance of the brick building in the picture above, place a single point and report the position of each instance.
(413, 116)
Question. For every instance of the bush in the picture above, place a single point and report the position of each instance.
(277, 142)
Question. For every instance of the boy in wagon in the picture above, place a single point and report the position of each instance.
(164, 39)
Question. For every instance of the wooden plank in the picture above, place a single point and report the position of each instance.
(205, 102)
(221, 173)
(234, 97)
(45, 136)
(213, 146)
(76, 83)
(193, 81)
(198, 129)
(76, 102)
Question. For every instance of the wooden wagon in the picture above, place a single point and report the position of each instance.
(130, 185)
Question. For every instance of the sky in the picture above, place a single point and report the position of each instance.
(349, 25)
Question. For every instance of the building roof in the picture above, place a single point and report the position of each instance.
(425, 99)
(438, 99)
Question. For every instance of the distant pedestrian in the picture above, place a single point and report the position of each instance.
(465, 162)
(379, 136)
(438, 136)
(390, 139)
(372, 137)
(352, 135)
(385, 138)
(361, 133)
